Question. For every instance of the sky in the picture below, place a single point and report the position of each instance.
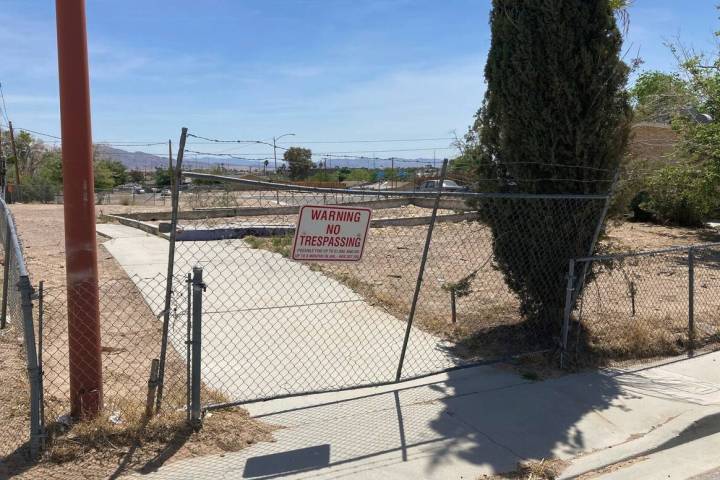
(342, 75)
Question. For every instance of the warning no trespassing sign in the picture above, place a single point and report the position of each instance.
(331, 233)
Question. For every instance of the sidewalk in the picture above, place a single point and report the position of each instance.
(479, 421)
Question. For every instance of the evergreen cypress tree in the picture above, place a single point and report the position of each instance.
(555, 120)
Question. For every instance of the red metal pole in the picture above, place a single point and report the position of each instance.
(79, 200)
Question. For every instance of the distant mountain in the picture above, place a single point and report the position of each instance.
(143, 161)
(132, 160)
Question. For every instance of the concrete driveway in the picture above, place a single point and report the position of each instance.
(272, 326)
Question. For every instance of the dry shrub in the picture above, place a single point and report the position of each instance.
(224, 430)
(640, 340)
(540, 470)
(532, 470)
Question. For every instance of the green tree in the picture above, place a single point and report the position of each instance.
(685, 191)
(162, 177)
(136, 176)
(343, 174)
(46, 181)
(360, 175)
(555, 120)
(299, 161)
(683, 194)
(104, 179)
(700, 131)
(119, 172)
(660, 97)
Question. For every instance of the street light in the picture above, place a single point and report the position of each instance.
(275, 139)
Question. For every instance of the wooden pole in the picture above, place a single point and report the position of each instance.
(16, 191)
(3, 170)
(15, 155)
(170, 167)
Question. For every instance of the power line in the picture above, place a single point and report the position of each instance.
(363, 151)
(373, 141)
(36, 132)
(215, 140)
(228, 155)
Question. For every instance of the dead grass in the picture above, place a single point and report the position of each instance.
(14, 409)
(222, 431)
(488, 320)
(131, 339)
(532, 470)
(640, 341)
(281, 245)
(100, 448)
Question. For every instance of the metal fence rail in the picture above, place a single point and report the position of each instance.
(645, 306)
(24, 430)
(275, 327)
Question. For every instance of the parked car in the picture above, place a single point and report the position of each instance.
(129, 188)
(447, 186)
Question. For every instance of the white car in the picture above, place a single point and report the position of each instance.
(447, 186)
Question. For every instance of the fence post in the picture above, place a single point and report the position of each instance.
(170, 268)
(418, 283)
(198, 287)
(6, 275)
(36, 428)
(691, 301)
(568, 310)
(453, 308)
(41, 329)
(188, 344)
(152, 387)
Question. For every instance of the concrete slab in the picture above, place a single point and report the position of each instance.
(272, 326)
(697, 460)
(114, 230)
(477, 421)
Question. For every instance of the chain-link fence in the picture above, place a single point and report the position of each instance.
(131, 319)
(446, 280)
(20, 395)
(645, 306)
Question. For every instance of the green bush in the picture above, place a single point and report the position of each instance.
(683, 194)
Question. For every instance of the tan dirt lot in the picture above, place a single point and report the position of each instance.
(131, 338)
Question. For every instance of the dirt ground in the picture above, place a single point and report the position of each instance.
(638, 308)
(131, 339)
(460, 252)
(487, 313)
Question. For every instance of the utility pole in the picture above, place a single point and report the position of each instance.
(275, 154)
(3, 171)
(392, 170)
(85, 361)
(15, 155)
(275, 139)
(170, 168)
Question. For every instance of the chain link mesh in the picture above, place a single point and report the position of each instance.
(637, 307)
(18, 411)
(272, 326)
(131, 314)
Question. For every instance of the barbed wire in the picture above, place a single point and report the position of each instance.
(228, 155)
